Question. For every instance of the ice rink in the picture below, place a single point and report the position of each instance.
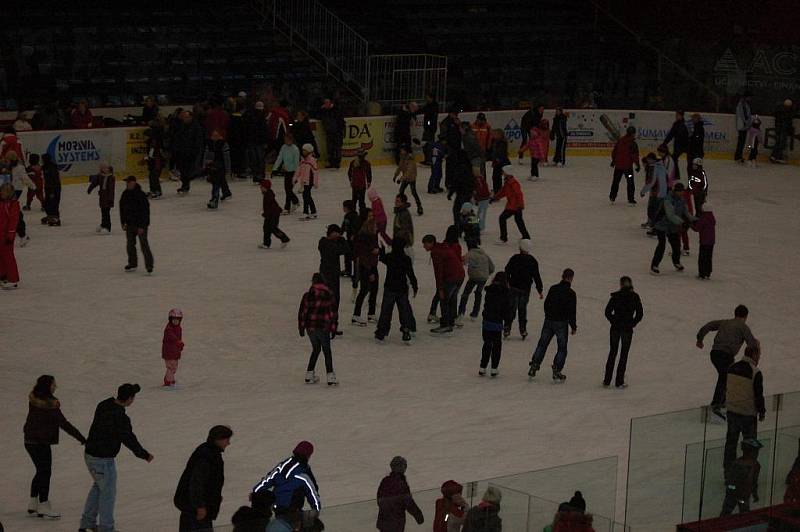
(78, 317)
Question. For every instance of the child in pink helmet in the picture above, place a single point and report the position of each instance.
(172, 345)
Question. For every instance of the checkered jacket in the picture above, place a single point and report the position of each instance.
(318, 309)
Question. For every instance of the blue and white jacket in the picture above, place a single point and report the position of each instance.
(288, 478)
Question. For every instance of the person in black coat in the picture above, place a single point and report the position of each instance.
(559, 133)
(256, 517)
(679, 134)
(331, 247)
(301, 131)
(430, 122)
(529, 120)
(402, 129)
(697, 138)
(199, 492)
(496, 313)
(399, 272)
(186, 143)
(559, 313)
(52, 191)
(134, 214)
(333, 123)
(624, 311)
(256, 138)
(462, 184)
(451, 135)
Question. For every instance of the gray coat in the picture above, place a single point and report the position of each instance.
(479, 265)
(674, 214)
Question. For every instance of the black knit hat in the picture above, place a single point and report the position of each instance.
(127, 391)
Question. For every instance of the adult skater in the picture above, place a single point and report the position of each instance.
(430, 121)
(217, 163)
(333, 124)
(744, 119)
(406, 175)
(41, 433)
(559, 134)
(495, 317)
(399, 273)
(731, 334)
(656, 186)
(105, 183)
(360, 176)
(529, 120)
(403, 224)
(669, 219)
(484, 516)
(697, 139)
(678, 134)
(365, 251)
(301, 131)
(187, 141)
(705, 226)
(134, 215)
(741, 479)
(624, 157)
(624, 312)
(111, 428)
(292, 482)
(515, 204)
(449, 273)
(52, 191)
(402, 129)
(395, 499)
(199, 492)
(784, 130)
(522, 271)
(9, 218)
(286, 165)
(698, 184)
(318, 317)
(451, 134)
(744, 401)
(331, 247)
(462, 185)
(479, 268)
(559, 313)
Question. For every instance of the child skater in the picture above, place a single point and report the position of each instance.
(308, 176)
(406, 175)
(536, 145)
(495, 317)
(706, 226)
(35, 173)
(105, 183)
(271, 212)
(172, 345)
(754, 137)
(438, 152)
(379, 213)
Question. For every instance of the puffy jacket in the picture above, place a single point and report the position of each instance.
(43, 421)
(657, 183)
(680, 134)
(560, 304)
(200, 485)
(538, 143)
(496, 306)
(706, 227)
(217, 156)
(399, 270)
(278, 122)
(134, 208)
(624, 309)
(483, 518)
(106, 185)
(217, 119)
(483, 133)
(745, 389)
(407, 169)
(269, 205)
(360, 174)
(172, 343)
(698, 180)
(451, 131)
(308, 172)
(447, 265)
(290, 480)
(513, 192)
(697, 140)
(394, 500)
(111, 428)
(625, 153)
(672, 214)
(479, 265)
(522, 271)
(378, 210)
(187, 139)
(9, 218)
(559, 129)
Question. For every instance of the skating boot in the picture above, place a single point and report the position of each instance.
(494, 373)
(432, 318)
(558, 377)
(24, 241)
(213, 204)
(482, 372)
(129, 268)
(358, 321)
(46, 512)
(332, 379)
(459, 323)
(406, 336)
(506, 333)
(371, 318)
(532, 371)
(419, 211)
(33, 507)
(523, 332)
(311, 378)
(286, 243)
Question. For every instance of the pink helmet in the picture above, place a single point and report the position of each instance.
(176, 313)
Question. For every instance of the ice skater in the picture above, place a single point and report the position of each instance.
(624, 312)
(9, 218)
(515, 204)
(360, 176)
(495, 316)
(559, 134)
(741, 479)
(351, 223)
(755, 138)
(403, 224)
(559, 313)
(307, 176)
(669, 220)
(35, 173)
(522, 272)
(331, 247)
(655, 185)
(624, 157)
(365, 251)
(706, 227)
(286, 165)
(317, 317)
(105, 183)
(379, 213)
(172, 345)
(449, 274)
(406, 175)
(217, 162)
(271, 212)
(134, 216)
(537, 145)
(479, 268)
(399, 273)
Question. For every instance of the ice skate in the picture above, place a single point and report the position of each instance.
(632, 203)
(5, 285)
(371, 318)
(263, 246)
(33, 507)
(24, 241)
(332, 379)
(358, 321)
(654, 271)
(129, 268)
(285, 243)
(685, 252)
(54, 222)
(311, 378)
(46, 512)
(98, 229)
(506, 333)
(558, 377)
(494, 373)
(313, 216)
(621, 386)
(304, 217)
(213, 204)
(25, 208)
(482, 372)
(226, 196)
(679, 267)
(432, 318)
(292, 208)
(182, 191)
(406, 337)
(285, 212)
(419, 211)
(380, 339)
(441, 331)
(533, 369)
(459, 322)
(473, 317)
(523, 333)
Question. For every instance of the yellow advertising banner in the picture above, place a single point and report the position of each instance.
(135, 152)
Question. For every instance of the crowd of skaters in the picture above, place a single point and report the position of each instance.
(459, 154)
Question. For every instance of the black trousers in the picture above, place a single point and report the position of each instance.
(359, 199)
(271, 229)
(675, 244)
(617, 336)
(618, 173)
(497, 179)
(492, 348)
(534, 167)
(413, 186)
(675, 156)
(309, 207)
(105, 217)
(42, 457)
(731, 501)
(519, 221)
(320, 341)
(132, 233)
(154, 175)
(738, 424)
(741, 138)
(561, 150)
(185, 163)
(189, 523)
(367, 287)
(52, 201)
(704, 260)
(407, 321)
(22, 230)
(332, 281)
(288, 188)
(333, 142)
(722, 361)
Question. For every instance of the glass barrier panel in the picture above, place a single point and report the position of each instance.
(786, 475)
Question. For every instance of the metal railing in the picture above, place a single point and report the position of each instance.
(399, 78)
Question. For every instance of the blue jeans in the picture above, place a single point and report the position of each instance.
(550, 329)
(478, 287)
(483, 206)
(102, 496)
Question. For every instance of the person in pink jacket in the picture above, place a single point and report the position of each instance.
(538, 144)
(308, 176)
(172, 345)
(379, 213)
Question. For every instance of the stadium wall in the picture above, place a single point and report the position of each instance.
(591, 133)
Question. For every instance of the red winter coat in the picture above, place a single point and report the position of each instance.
(360, 176)
(277, 119)
(270, 206)
(9, 217)
(625, 153)
(217, 119)
(512, 191)
(10, 143)
(447, 264)
(706, 227)
(482, 191)
(172, 346)
(81, 121)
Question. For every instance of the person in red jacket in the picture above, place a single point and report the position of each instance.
(9, 218)
(172, 345)
(624, 157)
(515, 204)
(394, 499)
(448, 269)
(451, 508)
(9, 142)
(360, 175)
(271, 212)
(81, 117)
(217, 119)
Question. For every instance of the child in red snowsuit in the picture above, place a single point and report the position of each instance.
(35, 173)
(379, 213)
(172, 345)
(9, 218)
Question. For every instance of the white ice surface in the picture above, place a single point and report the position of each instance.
(79, 317)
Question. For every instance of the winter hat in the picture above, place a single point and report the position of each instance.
(372, 194)
(242, 94)
(577, 501)
(451, 487)
(707, 207)
(787, 102)
(526, 245)
(481, 116)
(106, 168)
(127, 391)
(304, 449)
(398, 465)
(492, 495)
(175, 313)
(467, 207)
(756, 118)
(260, 105)
(308, 147)
(630, 130)
(508, 169)
(698, 161)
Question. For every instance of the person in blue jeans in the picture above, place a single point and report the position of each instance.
(559, 314)
(111, 428)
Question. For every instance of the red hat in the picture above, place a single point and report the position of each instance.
(265, 183)
(304, 449)
(451, 487)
